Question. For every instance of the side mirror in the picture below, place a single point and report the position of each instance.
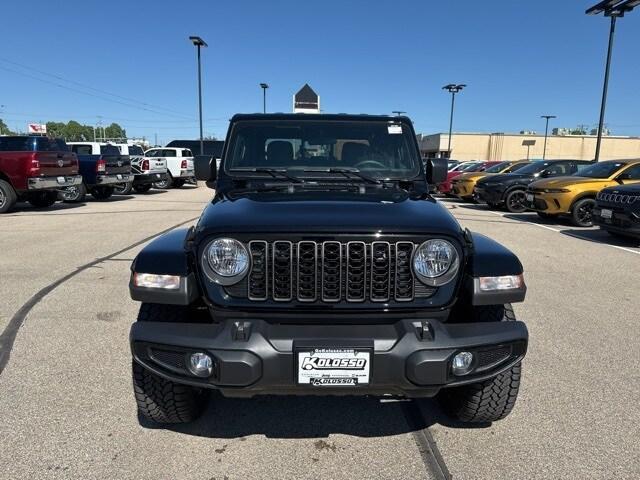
(436, 170)
(205, 168)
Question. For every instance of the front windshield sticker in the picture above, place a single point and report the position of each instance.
(395, 129)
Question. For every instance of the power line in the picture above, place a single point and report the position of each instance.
(58, 77)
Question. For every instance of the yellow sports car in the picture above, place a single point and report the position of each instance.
(462, 185)
(576, 195)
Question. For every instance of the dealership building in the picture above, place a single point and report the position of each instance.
(509, 146)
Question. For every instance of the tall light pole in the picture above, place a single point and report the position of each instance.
(546, 133)
(198, 42)
(452, 88)
(264, 87)
(612, 9)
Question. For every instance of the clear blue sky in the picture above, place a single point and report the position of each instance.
(520, 60)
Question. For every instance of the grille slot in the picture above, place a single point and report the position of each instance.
(330, 272)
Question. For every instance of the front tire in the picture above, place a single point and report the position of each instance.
(515, 201)
(582, 212)
(43, 199)
(489, 400)
(8, 196)
(102, 193)
(163, 401)
(74, 194)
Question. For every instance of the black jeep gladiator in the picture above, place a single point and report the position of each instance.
(324, 266)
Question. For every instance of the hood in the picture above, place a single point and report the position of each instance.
(472, 175)
(633, 189)
(508, 177)
(327, 212)
(568, 181)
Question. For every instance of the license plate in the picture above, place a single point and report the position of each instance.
(529, 197)
(334, 367)
(61, 180)
(604, 213)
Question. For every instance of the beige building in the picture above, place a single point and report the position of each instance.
(508, 146)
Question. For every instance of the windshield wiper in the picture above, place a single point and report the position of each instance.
(354, 172)
(274, 172)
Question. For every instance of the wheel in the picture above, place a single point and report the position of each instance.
(166, 183)
(489, 400)
(163, 401)
(144, 188)
(102, 193)
(74, 194)
(43, 199)
(8, 197)
(515, 201)
(581, 213)
(123, 188)
(178, 183)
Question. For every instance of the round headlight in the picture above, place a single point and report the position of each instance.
(226, 261)
(435, 262)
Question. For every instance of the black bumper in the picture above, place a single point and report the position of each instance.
(148, 178)
(410, 358)
(623, 222)
(488, 195)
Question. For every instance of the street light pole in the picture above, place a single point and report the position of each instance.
(612, 9)
(264, 87)
(453, 89)
(546, 133)
(198, 42)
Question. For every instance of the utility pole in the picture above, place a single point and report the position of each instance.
(198, 42)
(452, 88)
(264, 87)
(546, 133)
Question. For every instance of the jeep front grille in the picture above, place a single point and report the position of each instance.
(618, 198)
(330, 272)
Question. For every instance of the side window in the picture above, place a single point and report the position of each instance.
(169, 153)
(187, 153)
(81, 149)
(632, 173)
(581, 166)
(151, 153)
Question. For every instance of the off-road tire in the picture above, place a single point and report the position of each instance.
(512, 201)
(165, 184)
(581, 212)
(489, 400)
(80, 196)
(101, 193)
(156, 312)
(142, 188)
(8, 196)
(43, 199)
(123, 188)
(163, 401)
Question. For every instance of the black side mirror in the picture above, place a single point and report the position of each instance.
(205, 168)
(436, 170)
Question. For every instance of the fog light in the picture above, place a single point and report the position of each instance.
(200, 364)
(462, 363)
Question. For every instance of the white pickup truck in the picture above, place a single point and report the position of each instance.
(179, 165)
(145, 173)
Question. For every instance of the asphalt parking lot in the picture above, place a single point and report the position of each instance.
(68, 410)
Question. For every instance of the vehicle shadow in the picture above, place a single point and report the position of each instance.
(310, 417)
(600, 236)
(24, 207)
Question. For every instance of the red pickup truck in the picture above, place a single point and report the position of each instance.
(35, 168)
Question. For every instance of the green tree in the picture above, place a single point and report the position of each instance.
(4, 129)
(115, 131)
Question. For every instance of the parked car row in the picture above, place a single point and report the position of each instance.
(42, 170)
(606, 193)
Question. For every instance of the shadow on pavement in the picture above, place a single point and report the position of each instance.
(600, 236)
(21, 207)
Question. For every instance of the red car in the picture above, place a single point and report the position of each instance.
(445, 187)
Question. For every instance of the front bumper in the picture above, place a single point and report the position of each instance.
(553, 204)
(463, 189)
(488, 195)
(53, 183)
(621, 221)
(147, 178)
(410, 358)
(115, 178)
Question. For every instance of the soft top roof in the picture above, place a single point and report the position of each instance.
(319, 116)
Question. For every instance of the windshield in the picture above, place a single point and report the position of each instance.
(534, 167)
(378, 149)
(497, 168)
(468, 167)
(515, 167)
(601, 170)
